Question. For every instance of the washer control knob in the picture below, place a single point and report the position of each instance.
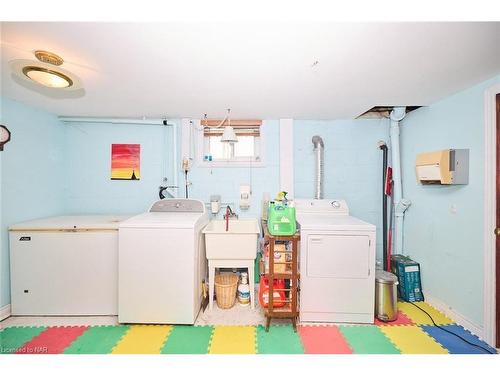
(335, 204)
(177, 205)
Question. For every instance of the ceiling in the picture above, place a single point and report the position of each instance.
(259, 70)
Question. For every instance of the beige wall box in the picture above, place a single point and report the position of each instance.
(444, 167)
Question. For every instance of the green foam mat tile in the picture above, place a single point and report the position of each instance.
(279, 340)
(188, 340)
(97, 340)
(12, 338)
(368, 340)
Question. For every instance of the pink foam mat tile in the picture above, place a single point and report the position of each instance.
(323, 340)
(52, 341)
(402, 320)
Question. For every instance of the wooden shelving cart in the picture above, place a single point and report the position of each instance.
(290, 309)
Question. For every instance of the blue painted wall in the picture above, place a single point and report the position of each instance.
(353, 165)
(4, 280)
(89, 188)
(449, 246)
(32, 174)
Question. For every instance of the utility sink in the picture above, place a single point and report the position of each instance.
(239, 242)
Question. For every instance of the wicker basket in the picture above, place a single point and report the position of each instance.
(226, 285)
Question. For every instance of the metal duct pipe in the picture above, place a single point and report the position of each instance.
(174, 151)
(319, 153)
(400, 204)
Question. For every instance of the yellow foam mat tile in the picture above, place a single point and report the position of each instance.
(143, 339)
(233, 340)
(412, 340)
(419, 317)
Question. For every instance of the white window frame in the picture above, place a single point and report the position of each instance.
(202, 145)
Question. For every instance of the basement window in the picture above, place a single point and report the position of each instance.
(247, 151)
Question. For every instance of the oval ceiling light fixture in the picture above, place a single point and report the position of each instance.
(46, 72)
(47, 77)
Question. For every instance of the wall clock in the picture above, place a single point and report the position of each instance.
(4, 136)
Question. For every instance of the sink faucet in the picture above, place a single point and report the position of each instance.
(229, 213)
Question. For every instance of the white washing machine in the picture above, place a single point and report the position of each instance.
(161, 263)
(337, 263)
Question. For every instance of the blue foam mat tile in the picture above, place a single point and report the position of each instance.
(453, 343)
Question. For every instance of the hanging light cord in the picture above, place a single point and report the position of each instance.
(220, 124)
(452, 333)
(205, 119)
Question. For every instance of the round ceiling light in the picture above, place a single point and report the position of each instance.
(47, 77)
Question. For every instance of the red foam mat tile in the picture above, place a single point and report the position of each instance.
(402, 320)
(52, 341)
(323, 340)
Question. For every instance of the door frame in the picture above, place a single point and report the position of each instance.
(489, 278)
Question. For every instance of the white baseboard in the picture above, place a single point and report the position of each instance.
(4, 312)
(455, 315)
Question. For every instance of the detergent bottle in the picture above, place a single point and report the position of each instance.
(244, 290)
(281, 217)
(278, 296)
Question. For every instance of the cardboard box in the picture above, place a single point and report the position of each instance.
(280, 259)
(408, 273)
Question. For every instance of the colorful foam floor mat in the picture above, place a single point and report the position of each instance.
(411, 333)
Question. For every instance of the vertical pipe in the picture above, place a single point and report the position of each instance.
(176, 167)
(400, 204)
(382, 145)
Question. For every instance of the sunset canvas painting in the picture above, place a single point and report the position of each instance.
(125, 161)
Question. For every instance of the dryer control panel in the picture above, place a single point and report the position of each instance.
(329, 206)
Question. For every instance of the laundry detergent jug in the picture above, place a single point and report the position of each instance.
(278, 296)
(281, 220)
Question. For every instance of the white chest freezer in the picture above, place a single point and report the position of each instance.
(65, 265)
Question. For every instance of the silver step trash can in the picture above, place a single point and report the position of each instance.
(386, 296)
